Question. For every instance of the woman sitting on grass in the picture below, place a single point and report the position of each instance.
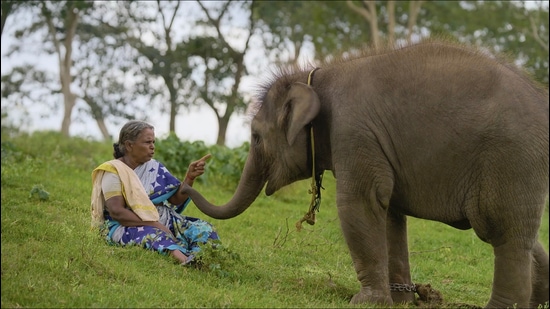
(136, 201)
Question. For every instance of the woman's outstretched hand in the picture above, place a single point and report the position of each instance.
(197, 168)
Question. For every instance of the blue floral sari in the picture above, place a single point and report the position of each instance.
(189, 232)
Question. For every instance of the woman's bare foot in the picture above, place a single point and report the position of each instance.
(182, 258)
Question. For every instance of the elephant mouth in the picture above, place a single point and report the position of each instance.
(270, 188)
(273, 186)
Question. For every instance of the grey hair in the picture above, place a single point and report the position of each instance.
(129, 132)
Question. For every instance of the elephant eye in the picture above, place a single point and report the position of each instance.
(256, 139)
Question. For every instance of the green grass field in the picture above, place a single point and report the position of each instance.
(51, 258)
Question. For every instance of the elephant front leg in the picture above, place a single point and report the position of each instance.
(365, 232)
(401, 286)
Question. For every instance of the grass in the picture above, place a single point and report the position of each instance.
(51, 258)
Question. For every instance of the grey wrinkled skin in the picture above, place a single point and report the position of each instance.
(434, 131)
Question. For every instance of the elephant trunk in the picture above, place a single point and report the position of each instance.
(250, 185)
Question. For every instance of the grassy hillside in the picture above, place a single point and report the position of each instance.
(51, 258)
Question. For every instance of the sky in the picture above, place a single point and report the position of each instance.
(191, 125)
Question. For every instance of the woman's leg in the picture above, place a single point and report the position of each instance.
(191, 232)
(154, 239)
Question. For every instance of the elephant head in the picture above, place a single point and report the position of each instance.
(279, 150)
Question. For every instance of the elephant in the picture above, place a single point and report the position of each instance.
(434, 130)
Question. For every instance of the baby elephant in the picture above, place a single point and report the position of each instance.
(433, 130)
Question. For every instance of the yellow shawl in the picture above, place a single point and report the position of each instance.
(132, 190)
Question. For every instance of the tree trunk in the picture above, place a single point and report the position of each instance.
(223, 122)
(103, 128)
(414, 10)
(373, 20)
(65, 59)
(391, 22)
(69, 100)
(173, 113)
(368, 11)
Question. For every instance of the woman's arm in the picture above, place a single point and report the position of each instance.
(117, 210)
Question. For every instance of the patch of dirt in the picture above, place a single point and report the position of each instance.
(429, 297)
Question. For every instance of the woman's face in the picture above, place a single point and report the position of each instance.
(143, 149)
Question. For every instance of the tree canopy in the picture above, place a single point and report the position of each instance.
(113, 56)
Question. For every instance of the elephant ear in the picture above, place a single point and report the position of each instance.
(303, 106)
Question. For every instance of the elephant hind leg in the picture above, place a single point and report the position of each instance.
(540, 279)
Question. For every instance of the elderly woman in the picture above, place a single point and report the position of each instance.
(136, 201)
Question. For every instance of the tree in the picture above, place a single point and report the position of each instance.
(287, 27)
(509, 27)
(147, 28)
(368, 10)
(86, 68)
(200, 67)
(106, 77)
(180, 54)
(224, 63)
(335, 27)
(503, 26)
(61, 20)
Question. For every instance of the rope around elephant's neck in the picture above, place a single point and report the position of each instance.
(316, 179)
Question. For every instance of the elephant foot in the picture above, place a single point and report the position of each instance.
(505, 302)
(369, 296)
(539, 297)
